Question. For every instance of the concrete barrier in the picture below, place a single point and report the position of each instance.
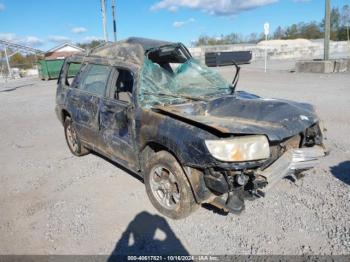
(320, 66)
(289, 49)
(314, 67)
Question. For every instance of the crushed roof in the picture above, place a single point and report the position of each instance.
(131, 50)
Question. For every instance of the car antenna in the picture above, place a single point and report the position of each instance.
(236, 79)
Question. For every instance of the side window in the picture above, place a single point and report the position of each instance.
(95, 79)
(124, 86)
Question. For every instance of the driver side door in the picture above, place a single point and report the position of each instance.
(116, 120)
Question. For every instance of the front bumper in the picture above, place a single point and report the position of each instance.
(291, 161)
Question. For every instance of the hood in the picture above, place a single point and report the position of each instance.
(246, 114)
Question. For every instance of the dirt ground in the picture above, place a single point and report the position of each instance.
(54, 203)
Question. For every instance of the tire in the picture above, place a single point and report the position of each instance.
(174, 197)
(72, 139)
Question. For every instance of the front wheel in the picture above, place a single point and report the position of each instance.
(72, 139)
(167, 186)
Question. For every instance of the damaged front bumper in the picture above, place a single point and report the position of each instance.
(288, 164)
(291, 161)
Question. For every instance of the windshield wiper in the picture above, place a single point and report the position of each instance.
(175, 96)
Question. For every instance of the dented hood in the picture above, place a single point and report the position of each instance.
(246, 114)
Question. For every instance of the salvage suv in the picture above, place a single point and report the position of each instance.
(152, 108)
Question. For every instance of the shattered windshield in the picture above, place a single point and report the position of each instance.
(190, 81)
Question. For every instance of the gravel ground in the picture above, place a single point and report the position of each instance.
(54, 203)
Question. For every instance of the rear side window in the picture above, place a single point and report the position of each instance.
(95, 79)
(73, 70)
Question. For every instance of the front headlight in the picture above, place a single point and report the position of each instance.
(239, 149)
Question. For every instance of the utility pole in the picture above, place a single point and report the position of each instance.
(327, 29)
(114, 21)
(103, 10)
(266, 32)
(8, 63)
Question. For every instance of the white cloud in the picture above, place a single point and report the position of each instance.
(2, 7)
(78, 30)
(8, 36)
(179, 24)
(172, 9)
(214, 7)
(31, 41)
(59, 39)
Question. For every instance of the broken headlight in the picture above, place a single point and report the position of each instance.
(239, 149)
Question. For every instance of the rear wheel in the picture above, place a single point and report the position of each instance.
(167, 186)
(72, 139)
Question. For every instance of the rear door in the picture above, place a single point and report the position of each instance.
(116, 119)
(84, 100)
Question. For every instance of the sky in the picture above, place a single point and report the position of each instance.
(44, 24)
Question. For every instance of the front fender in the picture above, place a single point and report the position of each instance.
(182, 139)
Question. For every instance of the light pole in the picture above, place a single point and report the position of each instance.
(327, 29)
(103, 11)
(266, 32)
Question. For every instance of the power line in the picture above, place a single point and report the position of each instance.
(16, 48)
(20, 47)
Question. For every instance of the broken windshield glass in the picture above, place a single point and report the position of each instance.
(190, 81)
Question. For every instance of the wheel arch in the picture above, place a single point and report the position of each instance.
(64, 115)
(193, 175)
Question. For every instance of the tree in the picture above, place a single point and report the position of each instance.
(310, 31)
(335, 23)
(340, 23)
(17, 60)
(292, 32)
(254, 38)
(345, 21)
(345, 16)
(91, 45)
(23, 61)
(279, 33)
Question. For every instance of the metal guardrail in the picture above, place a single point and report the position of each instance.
(21, 47)
(15, 48)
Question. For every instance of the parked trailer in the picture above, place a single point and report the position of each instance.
(50, 69)
(227, 58)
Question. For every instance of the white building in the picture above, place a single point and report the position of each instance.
(62, 51)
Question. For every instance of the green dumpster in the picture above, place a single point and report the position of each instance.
(50, 69)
